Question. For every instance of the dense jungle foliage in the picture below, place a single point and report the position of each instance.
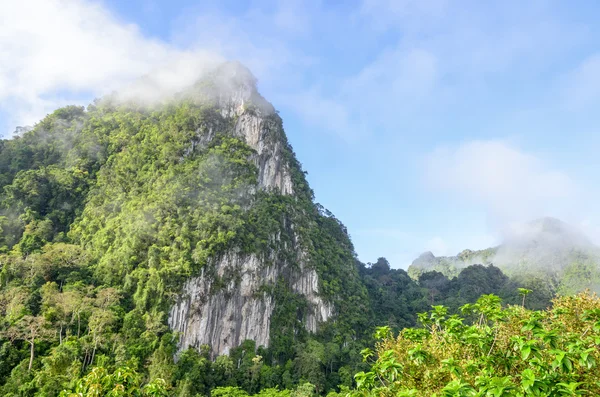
(491, 351)
(105, 211)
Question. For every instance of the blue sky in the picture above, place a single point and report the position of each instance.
(423, 124)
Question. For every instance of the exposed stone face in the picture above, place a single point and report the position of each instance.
(225, 318)
(233, 91)
(273, 171)
(240, 310)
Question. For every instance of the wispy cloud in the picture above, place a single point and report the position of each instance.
(433, 56)
(438, 246)
(54, 51)
(582, 84)
(512, 184)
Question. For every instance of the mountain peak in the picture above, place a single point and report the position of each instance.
(424, 258)
(234, 73)
(232, 87)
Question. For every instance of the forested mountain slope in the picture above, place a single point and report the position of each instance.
(196, 207)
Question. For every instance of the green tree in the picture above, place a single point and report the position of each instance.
(122, 382)
(31, 329)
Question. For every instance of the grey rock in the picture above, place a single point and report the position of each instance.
(241, 309)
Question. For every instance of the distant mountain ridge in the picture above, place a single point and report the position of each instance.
(547, 247)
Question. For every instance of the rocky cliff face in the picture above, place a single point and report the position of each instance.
(274, 173)
(240, 310)
(247, 115)
(240, 306)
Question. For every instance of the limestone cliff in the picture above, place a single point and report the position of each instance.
(225, 317)
(240, 306)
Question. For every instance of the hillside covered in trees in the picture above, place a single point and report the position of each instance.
(546, 252)
(114, 214)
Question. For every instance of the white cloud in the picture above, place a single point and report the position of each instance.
(438, 246)
(397, 82)
(55, 50)
(510, 183)
(59, 52)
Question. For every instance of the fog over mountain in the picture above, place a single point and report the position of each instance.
(546, 247)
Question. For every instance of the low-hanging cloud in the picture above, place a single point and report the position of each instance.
(55, 52)
(513, 185)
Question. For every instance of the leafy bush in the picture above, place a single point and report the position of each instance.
(507, 351)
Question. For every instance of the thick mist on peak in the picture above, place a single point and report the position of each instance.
(164, 82)
(543, 246)
(230, 85)
(545, 231)
(227, 84)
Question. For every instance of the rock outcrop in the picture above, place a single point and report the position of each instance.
(239, 306)
(247, 115)
(241, 309)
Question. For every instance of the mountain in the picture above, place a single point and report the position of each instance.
(197, 207)
(547, 248)
(239, 292)
(186, 220)
(450, 266)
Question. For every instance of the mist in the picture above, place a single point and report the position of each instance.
(72, 53)
(514, 187)
(162, 83)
